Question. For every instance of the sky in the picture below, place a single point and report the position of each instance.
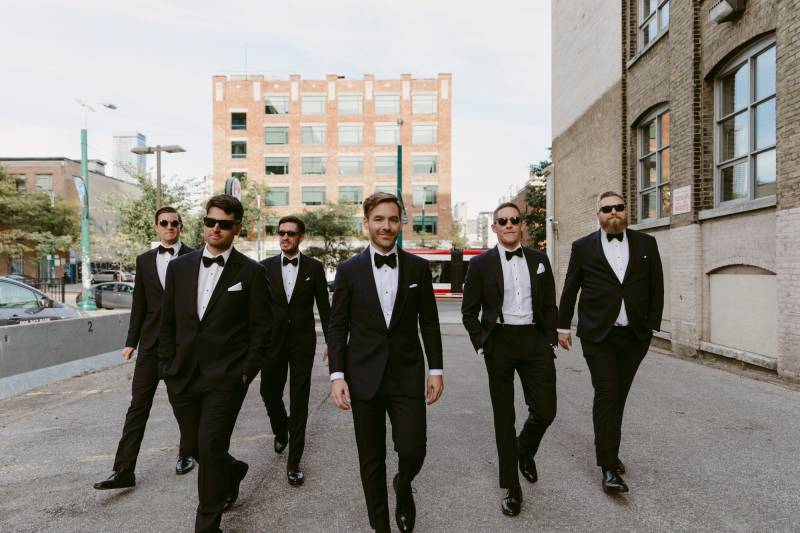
(154, 60)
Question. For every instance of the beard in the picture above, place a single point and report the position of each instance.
(614, 225)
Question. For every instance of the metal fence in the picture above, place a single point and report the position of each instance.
(52, 287)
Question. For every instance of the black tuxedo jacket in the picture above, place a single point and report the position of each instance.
(602, 294)
(311, 285)
(232, 337)
(360, 344)
(145, 319)
(483, 291)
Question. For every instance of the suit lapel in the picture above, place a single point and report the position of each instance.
(276, 272)
(402, 287)
(496, 269)
(633, 250)
(532, 274)
(152, 271)
(365, 261)
(194, 275)
(302, 269)
(598, 244)
(229, 272)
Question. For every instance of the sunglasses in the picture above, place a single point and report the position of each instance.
(223, 224)
(616, 207)
(283, 232)
(503, 220)
(165, 223)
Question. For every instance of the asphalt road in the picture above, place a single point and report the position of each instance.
(706, 450)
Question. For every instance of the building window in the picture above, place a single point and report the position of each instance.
(313, 105)
(386, 165)
(391, 189)
(387, 104)
(313, 195)
(422, 195)
(424, 224)
(423, 164)
(276, 166)
(271, 226)
(351, 134)
(277, 196)
(312, 134)
(239, 149)
(350, 104)
(44, 182)
(351, 165)
(423, 104)
(423, 134)
(238, 121)
(276, 135)
(351, 194)
(387, 134)
(21, 181)
(241, 176)
(655, 197)
(313, 165)
(276, 105)
(654, 20)
(745, 126)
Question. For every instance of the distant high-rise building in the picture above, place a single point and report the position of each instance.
(126, 164)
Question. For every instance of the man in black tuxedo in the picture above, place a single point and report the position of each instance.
(215, 327)
(143, 330)
(296, 281)
(376, 360)
(512, 287)
(618, 271)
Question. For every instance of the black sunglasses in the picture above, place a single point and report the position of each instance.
(165, 223)
(503, 220)
(223, 224)
(283, 232)
(619, 208)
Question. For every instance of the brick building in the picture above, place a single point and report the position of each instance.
(690, 110)
(314, 141)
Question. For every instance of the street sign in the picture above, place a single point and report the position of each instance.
(682, 200)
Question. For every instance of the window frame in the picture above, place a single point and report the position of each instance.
(435, 167)
(428, 218)
(351, 188)
(435, 98)
(430, 126)
(395, 98)
(319, 98)
(310, 127)
(321, 158)
(316, 188)
(353, 157)
(281, 190)
(286, 134)
(424, 190)
(275, 157)
(393, 173)
(642, 156)
(234, 125)
(661, 5)
(350, 97)
(283, 97)
(385, 127)
(239, 155)
(351, 127)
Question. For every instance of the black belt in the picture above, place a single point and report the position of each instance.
(514, 326)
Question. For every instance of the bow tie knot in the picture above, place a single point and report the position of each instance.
(517, 252)
(292, 261)
(208, 261)
(390, 260)
(166, 250)
(612, 236)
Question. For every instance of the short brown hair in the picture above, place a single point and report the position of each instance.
(301, 226)
(168, 209)
(229, 204)
(608, 194)
(372, 201)
(503, 206)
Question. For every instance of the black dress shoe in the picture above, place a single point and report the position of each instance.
(117, 480)
(512, 501)
(295, 477)
(527, 466)
(406, 512)
(612, 482)
(281, 441)
(239, 471)
(620, 466)
(184, 465)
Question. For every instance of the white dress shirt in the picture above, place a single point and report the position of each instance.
(207, 279)
(163, 259)
(386, 281)
(289, 275)
(517, 293)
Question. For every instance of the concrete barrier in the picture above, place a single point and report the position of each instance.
(30, 347)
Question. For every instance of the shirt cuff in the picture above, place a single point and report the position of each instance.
(435, 372)
(564, 330)
(480, 351)
(337, 375)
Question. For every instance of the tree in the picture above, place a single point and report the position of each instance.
(334, 225)
(536, 200)
(457, 235)
(252, 212)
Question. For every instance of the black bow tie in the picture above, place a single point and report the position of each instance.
(164, 249)
(612, 236)
(517, 252)
(390, 260)
(208, 261)
(286, 261)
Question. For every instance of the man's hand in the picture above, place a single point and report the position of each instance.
(434, 389)
(244, 379)
(565, 340)
(340, 394)
(325, 357)
(127, 352)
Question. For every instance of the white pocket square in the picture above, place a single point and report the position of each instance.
(236, 287)
(308, 279)
(412, 285)
(540, 269)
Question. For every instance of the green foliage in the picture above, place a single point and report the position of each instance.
(457, 235)
(536, 199)
(250, 203)
(334, 225)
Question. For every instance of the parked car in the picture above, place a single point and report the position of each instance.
(22, 304)
(22, 278)
(111, 295)
(111, 275)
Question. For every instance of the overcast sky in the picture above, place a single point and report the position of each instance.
(154, 60)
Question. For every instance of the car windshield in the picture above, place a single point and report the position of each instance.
(16, 297)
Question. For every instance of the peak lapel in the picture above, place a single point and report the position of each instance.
(497, 272)
(276, 276)
(229, 272)
(633, 251)
(365, 262)
(598, 245)
(402, 287)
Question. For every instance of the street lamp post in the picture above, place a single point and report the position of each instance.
(86, 263)
(171, 149)
(403, 215)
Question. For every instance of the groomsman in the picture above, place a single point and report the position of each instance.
(376, 359)
(296, 281)
(512, 287)
(618, 272)
(215, 327)
(143, 330)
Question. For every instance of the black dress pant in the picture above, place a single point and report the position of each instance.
(525, 350)
(143, 389)
(298, 363)
(408, 419)
(613, 363)
(207, 413)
